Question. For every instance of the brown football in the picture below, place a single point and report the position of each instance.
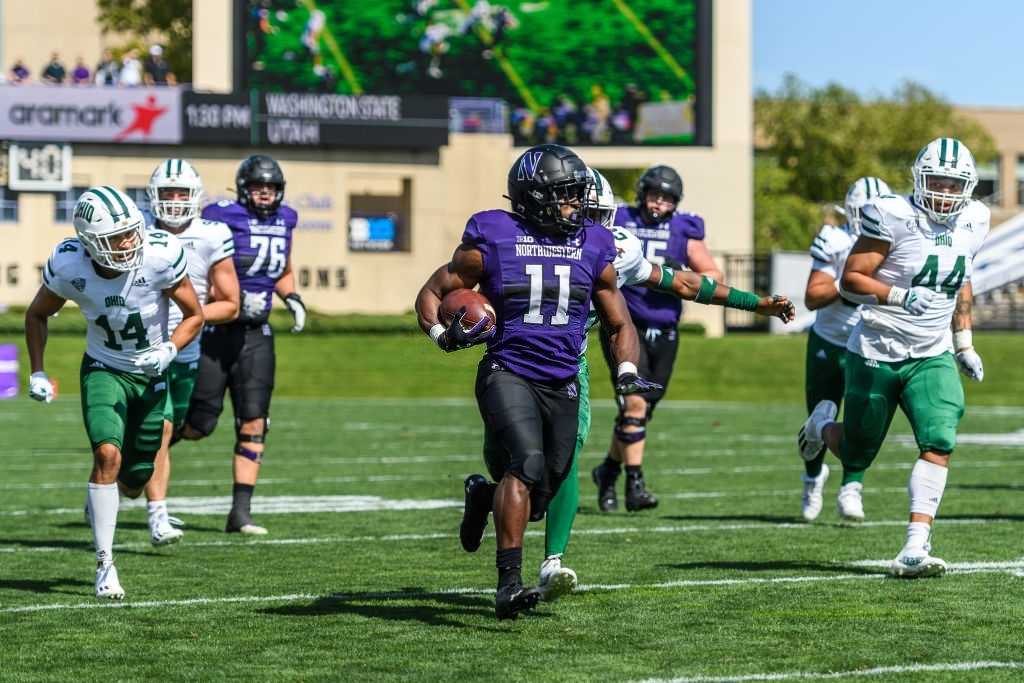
(476, 304)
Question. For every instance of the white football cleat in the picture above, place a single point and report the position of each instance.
(252, 530)
(107, 585)
(555, 580)
(176, 522)
(812, 500)
(917, 563)
(849, 503)
(162, 533)
(809, 437)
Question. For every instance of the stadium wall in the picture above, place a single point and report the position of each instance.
(439, 189)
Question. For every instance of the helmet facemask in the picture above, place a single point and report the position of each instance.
(177, 178)
(552, 201)
(119, 250)
(601, 200)
(944, 179)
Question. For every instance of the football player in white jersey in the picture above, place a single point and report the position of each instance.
(122, 279)
(175, 190)
(826, 343)
(632, 268)
(911, 267)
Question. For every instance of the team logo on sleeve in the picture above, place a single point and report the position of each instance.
(79, 284)
(528, 165)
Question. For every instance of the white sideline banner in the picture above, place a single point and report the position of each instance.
(90, 114)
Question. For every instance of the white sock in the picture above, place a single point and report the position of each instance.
(927, 482)
(157, 507)
(104, 500)
(917, 534)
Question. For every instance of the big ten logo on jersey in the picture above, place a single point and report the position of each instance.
(322, 278)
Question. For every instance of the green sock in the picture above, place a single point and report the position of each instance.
(562, 513)
(849, 476)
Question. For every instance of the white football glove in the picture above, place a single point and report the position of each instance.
(155, 361)
(298, 310)
(39, 387)
(915, 301)
(966, 357)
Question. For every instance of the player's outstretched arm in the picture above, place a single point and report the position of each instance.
(691, 286)
(45, 304)
(462, 272)
(625, 343)
(966, 357)
(223, 281)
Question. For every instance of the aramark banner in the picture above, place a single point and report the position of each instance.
(90, 114)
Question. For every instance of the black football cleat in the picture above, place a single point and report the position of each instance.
(638, 497)
(513, 598)
(605, 478)
(479, 501)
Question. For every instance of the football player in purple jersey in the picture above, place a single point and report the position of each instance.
(676, 240)
(239, 356)
(541, 265)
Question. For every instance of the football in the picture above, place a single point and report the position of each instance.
(476, 304)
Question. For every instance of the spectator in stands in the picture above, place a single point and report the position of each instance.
(107, 70)
(131, 69)
(19, 72)
(595, 126)
(54, 72)
(80, 74)
(157, 70)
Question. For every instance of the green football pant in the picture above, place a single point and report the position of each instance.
(562, 508)
(127, 410)
(927, 389)
(824, 379)
(181, 379)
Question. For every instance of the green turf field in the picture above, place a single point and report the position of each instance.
(362, 577)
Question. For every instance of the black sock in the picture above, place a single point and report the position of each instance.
(613, 465)
(634, 472)
(509, 563)
(241, 498)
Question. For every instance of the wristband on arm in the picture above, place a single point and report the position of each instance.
(667, 279)
(745, 301)
(707, 290)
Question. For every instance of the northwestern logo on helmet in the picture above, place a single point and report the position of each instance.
(528, 165)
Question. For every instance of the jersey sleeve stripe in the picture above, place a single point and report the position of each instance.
(180, 257)
(871, 231)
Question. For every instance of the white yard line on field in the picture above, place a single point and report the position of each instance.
(854, 673)
(596, 531)
(419, 595)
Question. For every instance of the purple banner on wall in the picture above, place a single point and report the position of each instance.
(8, 370)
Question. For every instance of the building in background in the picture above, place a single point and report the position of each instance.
(375, 194)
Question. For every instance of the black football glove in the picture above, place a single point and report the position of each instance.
(455, 337)
(631, 383)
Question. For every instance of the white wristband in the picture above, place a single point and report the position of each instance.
(897, 295)
(963, 340)
(626, 367)
(436, 331)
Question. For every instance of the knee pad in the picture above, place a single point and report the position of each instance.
(531, 470)
(203, 425)
(248, 453)
(252, 438)
(625, 437)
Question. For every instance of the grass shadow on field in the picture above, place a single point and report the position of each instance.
(987, 487)
(44, 585)
(64, 544)
(138, 526)
(998, 517)
(408, 604)
(777, 566)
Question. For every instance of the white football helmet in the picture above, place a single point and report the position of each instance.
(110, 227)
(860, 193)
(174, 173)
(945, 158)
(601, 202)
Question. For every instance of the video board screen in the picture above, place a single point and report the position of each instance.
(578, 72)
